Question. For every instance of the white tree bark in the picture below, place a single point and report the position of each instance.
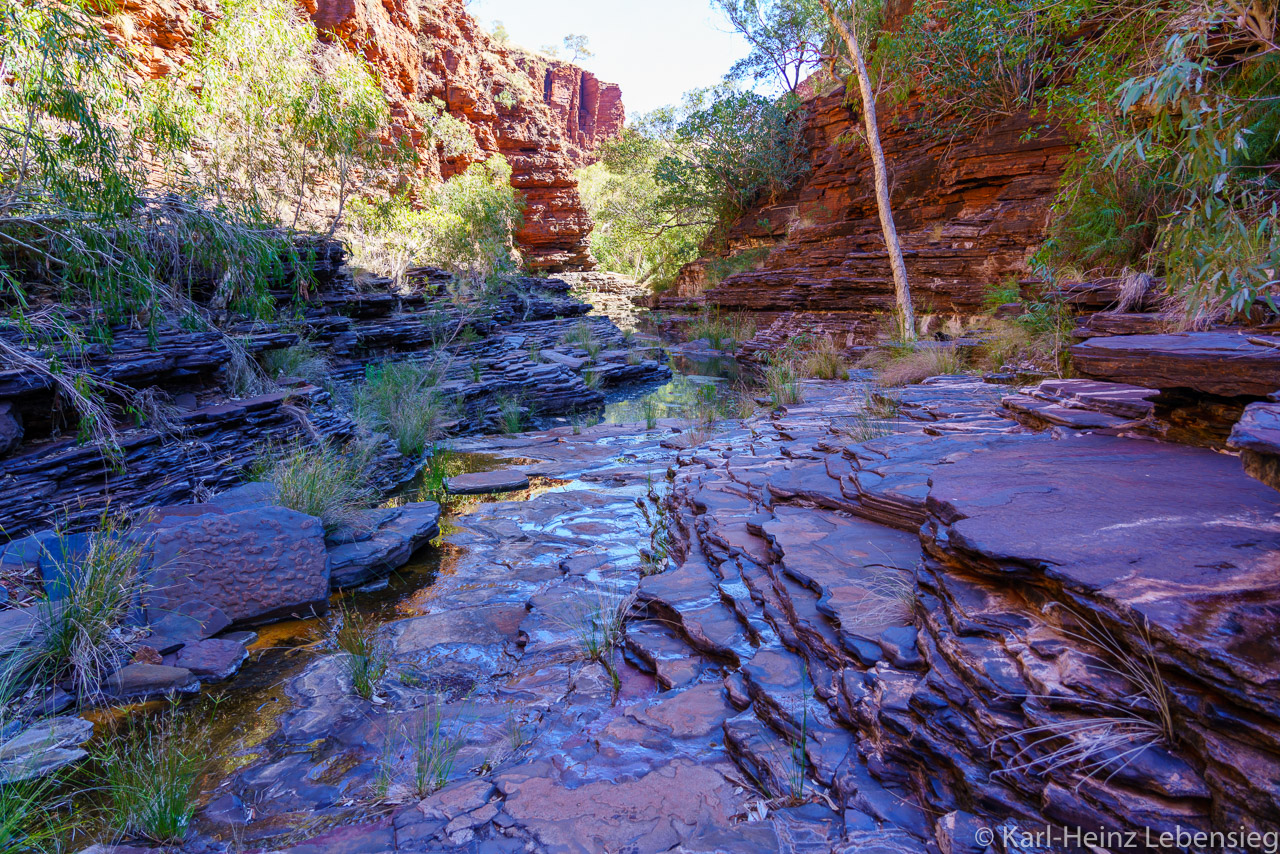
(901, 286)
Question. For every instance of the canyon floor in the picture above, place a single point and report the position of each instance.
(910, 631)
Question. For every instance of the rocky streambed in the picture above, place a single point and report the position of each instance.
(909, 628)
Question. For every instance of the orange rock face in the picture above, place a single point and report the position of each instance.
(547, 117)
(969, 208)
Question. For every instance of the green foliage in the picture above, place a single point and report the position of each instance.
(324, 481)
(260, 91)
(681, 175)
(1179, 135)
(723, 151)
(76, 209)
(149, 773)
(631, 234)
(466, 225)
(400, 399)
(788, 38)
(79, 638)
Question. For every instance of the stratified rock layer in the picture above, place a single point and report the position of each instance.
(969, 209)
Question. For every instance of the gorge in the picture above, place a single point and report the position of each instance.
(526, 555)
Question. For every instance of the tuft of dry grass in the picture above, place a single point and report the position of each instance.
(825, 361)
(917, 365)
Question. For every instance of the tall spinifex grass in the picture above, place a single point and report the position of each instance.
(148, 775)
(79, 636)
(401, 400)
(324, 481)
(824, 361)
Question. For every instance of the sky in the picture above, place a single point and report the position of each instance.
(655, 49)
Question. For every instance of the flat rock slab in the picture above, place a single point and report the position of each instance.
(1219, 363)
(1128, 530)
(487, 483)
(1124, 401)
(645, 815)
(43, 747)
(253, 565)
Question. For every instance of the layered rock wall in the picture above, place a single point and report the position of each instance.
(545, 116)
(970, 209)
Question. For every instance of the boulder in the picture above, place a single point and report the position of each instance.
(253, 565)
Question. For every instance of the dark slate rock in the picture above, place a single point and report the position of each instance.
(1220, 363)
(389, 548)
(212, 660)
(10, 427)
(253, 565)
(144, 681)
(488, 482)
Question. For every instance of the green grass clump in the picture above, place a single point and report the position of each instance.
(366, 660)
(78, 638)
(324, 481)
(722, 332)
(510, 415)
(435, 749)
(148, 776)
(401, 400)
(782, 381)
(301, 360)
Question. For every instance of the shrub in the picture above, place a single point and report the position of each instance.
(401, 399)
(466, 225)
(323, 481)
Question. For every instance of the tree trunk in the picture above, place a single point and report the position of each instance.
(902, 288)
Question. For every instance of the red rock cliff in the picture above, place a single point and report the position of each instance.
(970, 210)
(545, 116)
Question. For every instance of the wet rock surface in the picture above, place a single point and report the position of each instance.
(885, 645)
